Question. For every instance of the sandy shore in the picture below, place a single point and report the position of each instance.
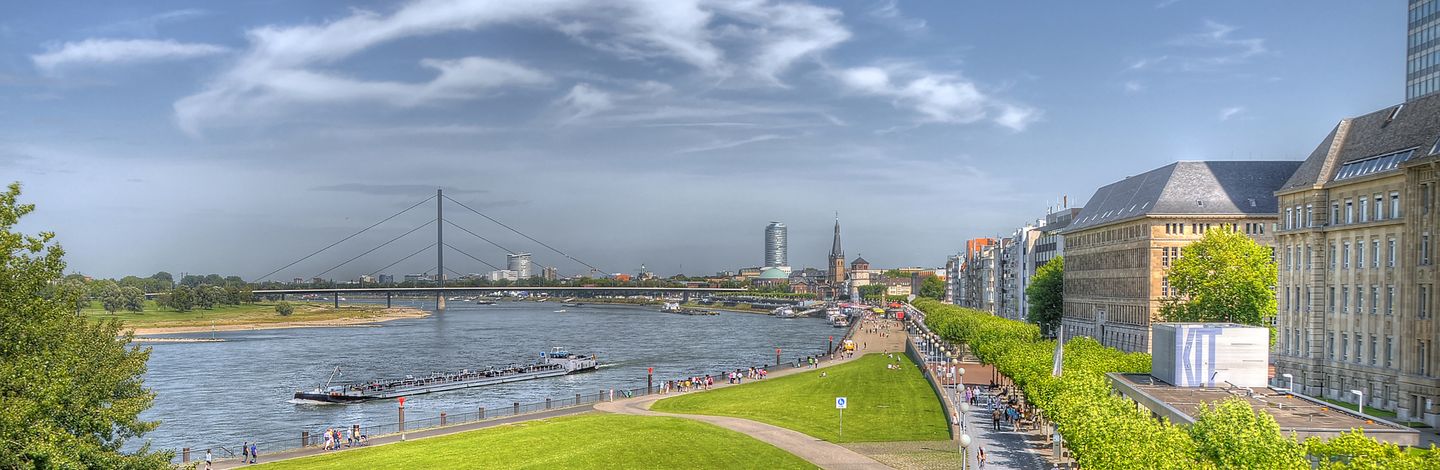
(389, 314)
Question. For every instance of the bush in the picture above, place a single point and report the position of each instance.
(284, 309)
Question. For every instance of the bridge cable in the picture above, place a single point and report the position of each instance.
(342, 240)
(411, 255)
(372, 250)
(457, 250)
(487, 240)
(502, 224)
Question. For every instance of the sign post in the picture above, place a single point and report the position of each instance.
(649, 380)
(402, 418)
(777, 358)
(840, 403)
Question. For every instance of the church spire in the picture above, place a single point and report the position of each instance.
(835, 250)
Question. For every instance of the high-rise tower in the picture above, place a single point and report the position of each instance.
(1422, 49)
(836, 276)
(520, 263)
(777, 247)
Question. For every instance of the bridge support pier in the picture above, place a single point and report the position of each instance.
(440, 300)
(387, 300)
(337, 300)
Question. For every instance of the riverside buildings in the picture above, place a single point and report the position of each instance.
(1356, 293)
(519, 263)
(1121, 244)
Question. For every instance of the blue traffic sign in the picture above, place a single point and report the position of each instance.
(840, 403)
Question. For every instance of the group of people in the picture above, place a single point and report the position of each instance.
(248, 454)
(1006, 406)
(336, 438)
(739, 375)
(687, 384)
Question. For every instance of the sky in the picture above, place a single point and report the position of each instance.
(237, 137)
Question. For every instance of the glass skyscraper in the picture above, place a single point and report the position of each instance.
(1422, 49)
(776, 245)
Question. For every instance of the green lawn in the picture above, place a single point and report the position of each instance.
(155, 316)
(584, 441)
(884, 404)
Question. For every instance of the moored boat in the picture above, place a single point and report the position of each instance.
(555, 363)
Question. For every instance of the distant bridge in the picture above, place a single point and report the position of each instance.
(441, 291)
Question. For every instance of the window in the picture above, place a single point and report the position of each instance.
(1330, 346)
(1331, 303)
(1359, 300)
(1359, 348)
(1373, 356)
(1289, 219)
(1423, 310)
(1345, 256)
(1425, 249)
(1349, 211)
(1360, 254)
(1423, 362)
(1425, 198)
(1334, 213)
(1309, 215)
(1379, 207)
(1374, 299)
(1375, 164)
(1344, 347)
(1165, 286)
(1389, 351)
(1375, 253)
(1332, 256)
(1308, 258)
(1390, 256)
(1364, 211)
(1395, 205)
(1345, 299)
(1390, 299)
(1288, 251)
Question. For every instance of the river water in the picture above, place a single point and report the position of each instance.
(222, 393)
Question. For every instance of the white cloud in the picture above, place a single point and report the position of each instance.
(1227, 113)
(943, 98)
(888, 11)
(1220, 44)
(584, 101)
(760, 39)
(1133, 86)
(730, 143)
(119, 51)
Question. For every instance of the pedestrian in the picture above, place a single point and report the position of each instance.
(981, 457)
(995, 419)
(254, 453)
(208, 458)
(245, 452)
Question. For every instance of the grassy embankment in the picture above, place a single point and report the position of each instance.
(156, 316)
(585, 441)
(884, 404)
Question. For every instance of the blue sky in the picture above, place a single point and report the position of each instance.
(234, 137)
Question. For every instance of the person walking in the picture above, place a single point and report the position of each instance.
(208, 459)
(245, 452)
(981, 457)
(254, 453)
(995, 419)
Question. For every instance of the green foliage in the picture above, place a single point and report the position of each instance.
(70, 390)
(180, 299)
(932, 287)
(1232, 435)
(132, 299)
(1223, 277)
(1352, 450)
(872, 290)
(284, 308)
(108, 293)
(1046, 295)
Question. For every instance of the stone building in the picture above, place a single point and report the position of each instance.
(1357, 281)
(1121, 244)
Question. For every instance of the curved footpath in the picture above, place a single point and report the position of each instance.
(822, 453)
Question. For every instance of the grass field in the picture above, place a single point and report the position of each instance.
(155, 316)
(585, 441)
(884, 404)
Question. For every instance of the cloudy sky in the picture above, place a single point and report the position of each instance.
(235, 137)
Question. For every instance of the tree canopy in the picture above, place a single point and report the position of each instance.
(1046, 295)
(70, 389)
(1223, 277)
(932, 287)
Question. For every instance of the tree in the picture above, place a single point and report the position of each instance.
(1233, 435)
(207, 296)
(284, 308)
(133, 298)
(1046, 294)
(872, 290)
(933, 287)
(181, 298)
(108, 294)
(1223, 277)
(71, 390)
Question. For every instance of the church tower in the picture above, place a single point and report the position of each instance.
(836, 276)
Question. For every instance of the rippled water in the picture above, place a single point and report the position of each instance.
(220, 394)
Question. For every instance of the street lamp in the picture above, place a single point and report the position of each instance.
(1292, 382)
(1361, 401)
(964, 450)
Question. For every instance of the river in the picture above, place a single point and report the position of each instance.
(222, 393)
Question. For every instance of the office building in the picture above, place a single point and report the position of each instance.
(520, 263)
(777, 246)
(1356, 293)
(549, 273)
(1422, 49)
(1119, 247)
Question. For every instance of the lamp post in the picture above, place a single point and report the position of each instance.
(964, 451)
(1292, 382)
(1361, 401)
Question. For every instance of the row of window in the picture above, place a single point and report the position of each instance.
(1423, 11)
(1375, 355)
(1344, 258)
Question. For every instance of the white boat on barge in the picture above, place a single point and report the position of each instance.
(555, 363)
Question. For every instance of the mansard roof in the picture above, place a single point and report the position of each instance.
(1189, 187)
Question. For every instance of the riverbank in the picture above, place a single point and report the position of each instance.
(260, 317)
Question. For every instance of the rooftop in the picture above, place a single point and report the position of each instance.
(1295, 413)
(1371, 143)
(1189, 188)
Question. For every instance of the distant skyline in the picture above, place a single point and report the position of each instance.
(235, 137)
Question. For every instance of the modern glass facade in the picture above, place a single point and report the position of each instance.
(520, 263)
(776, 245)
(1422, 52)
